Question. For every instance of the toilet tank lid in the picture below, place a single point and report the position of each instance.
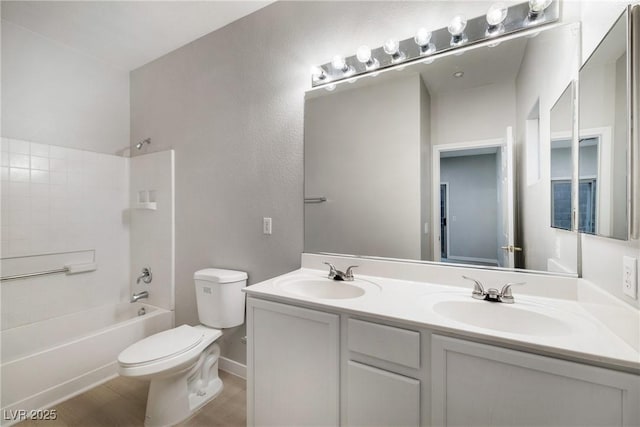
(219, 275)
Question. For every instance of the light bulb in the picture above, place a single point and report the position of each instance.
(423, 37)
(496, 14)
(330, 88)
(457, 25)
(338, 62)
(537, 6)
(364, 55)
(317, 73)
(392, 47)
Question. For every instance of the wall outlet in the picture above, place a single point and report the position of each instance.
(630, 276)
(266, 225)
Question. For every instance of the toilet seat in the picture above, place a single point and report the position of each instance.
(166, 352)
(161, 346)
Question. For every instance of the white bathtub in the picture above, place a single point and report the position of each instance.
(46, 362)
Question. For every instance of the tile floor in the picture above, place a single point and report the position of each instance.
(121, 402)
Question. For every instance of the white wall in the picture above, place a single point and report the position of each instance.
(63, 116)
(55, 200)
(52, 94)
(482, 112)
(369, 171)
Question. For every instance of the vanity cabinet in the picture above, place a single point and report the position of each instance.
(293, 365)
(478, 384)
(308, 367)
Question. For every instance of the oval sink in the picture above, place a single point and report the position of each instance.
(501, 317)
(321, 288)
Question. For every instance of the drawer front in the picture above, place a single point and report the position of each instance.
(380, 398)
(396, 345)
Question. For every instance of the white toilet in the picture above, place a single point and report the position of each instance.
(182, 363)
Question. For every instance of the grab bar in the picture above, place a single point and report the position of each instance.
(320, 199)
(69, 269)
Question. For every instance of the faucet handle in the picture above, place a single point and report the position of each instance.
(332, 270)
(349, 273)
(478, 289)
(505, 293)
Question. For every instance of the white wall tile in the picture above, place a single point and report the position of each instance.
(40, 163)
(17, 146)
(4, 173)
(39, 177)
(4, 158)
(17, 160)
(56, 152)
(4, 144)
(58, 165)
(19, 175)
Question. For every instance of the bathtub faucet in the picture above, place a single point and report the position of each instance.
(139, 296)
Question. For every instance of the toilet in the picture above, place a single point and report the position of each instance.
(182, 363)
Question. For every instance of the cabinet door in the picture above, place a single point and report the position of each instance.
(293, 370)
(380, 398)
(477, 384)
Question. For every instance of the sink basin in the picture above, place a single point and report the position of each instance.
(511, 318)
(322, 288)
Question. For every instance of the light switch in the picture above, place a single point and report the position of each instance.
(266, 225)
(630, 276)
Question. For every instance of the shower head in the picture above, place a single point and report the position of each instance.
(141, 143)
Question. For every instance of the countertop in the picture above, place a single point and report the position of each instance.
(582, 337)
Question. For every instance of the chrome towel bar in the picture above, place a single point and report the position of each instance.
(315, 199)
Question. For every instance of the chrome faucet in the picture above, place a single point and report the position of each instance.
(493, 295)
(138, 296)
(336, 274)
(146, 276)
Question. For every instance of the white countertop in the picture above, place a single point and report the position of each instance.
(582, 338)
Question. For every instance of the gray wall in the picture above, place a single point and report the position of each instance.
(473, 205)
(425, 172)
(52, 94)
(369, 171)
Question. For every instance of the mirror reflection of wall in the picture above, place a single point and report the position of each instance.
(372, 149)
(603, 137)
(562, 161)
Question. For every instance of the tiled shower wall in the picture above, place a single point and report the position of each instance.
(54, 200)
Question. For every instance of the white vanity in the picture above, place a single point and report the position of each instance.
(418, 352)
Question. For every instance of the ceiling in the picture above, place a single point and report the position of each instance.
(126, 34)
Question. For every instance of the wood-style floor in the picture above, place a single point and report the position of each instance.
(122, 401)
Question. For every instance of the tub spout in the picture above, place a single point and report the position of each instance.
(139, 296)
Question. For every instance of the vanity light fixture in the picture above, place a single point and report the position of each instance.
(363, 54)
(340, 64)
(456, 29)
(392, 48)
(426, 45)
(496, 15)
(537, 8)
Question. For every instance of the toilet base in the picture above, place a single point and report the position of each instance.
(175, 398)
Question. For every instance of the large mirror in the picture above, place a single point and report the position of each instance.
(604, 139)
(446, 161)
(561, 161)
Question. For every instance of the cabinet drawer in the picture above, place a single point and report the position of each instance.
(396, 345)
(380, 398)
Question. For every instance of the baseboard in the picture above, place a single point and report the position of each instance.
(233, 367)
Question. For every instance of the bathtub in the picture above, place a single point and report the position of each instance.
(46, 362)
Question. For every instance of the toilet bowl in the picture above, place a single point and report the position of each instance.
(182, 363)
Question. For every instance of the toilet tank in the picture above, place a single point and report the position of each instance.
(220, 297)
